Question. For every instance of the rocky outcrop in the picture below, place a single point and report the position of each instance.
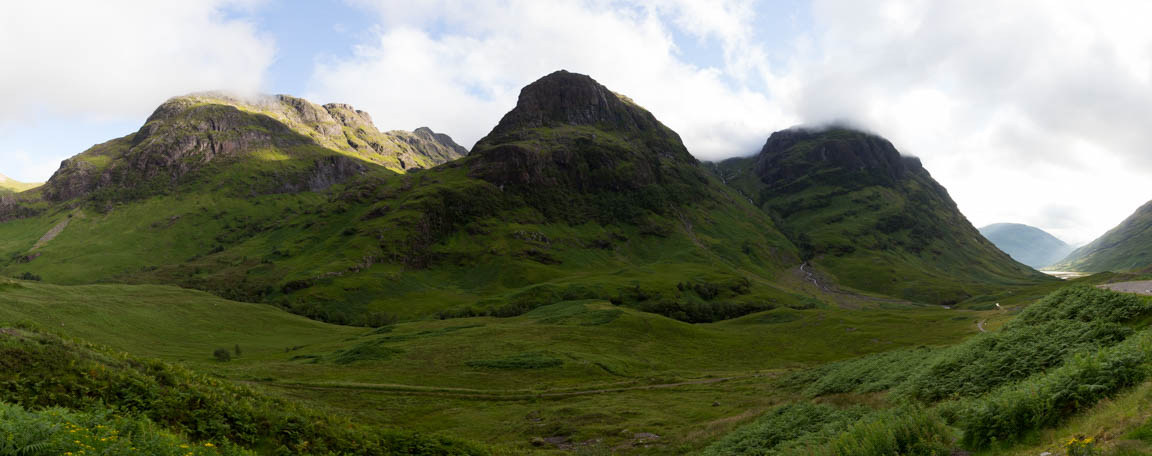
(568, 130)
(781, 161)
(574, 148)
(564, 98)
(190, 134)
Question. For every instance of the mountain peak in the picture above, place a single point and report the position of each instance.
(564, 98)
(793, 153)
(1027, 244)
(569, 135)
(192, 133)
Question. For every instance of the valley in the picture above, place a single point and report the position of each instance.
(275, 276)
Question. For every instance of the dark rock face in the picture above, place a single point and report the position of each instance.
(12, 207)
(189, 134)
(844, 149)
(564, 98)
(176, 141)
(624, 148)
(326, 172)
(442, 139)
(574, 149)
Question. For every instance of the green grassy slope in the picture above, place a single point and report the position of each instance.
(998, 393)
(548, 209)
(479, 378)
(41, 370)
(873, 218)
(1128, 247)
(8, 185)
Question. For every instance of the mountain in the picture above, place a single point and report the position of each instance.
(195, 137)
(577, 193)
(1027, 244)
(1127, 247)
(8, 184)
(874, 218)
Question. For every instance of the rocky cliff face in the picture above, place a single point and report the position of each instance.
(187, 134)
(789, 155)
(569, 132)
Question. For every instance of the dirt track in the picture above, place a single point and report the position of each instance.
(1143, 287)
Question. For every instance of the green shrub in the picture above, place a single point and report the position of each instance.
(373, 350)
(784, 427)
(870, 374)
(39, 370)
(222, 355)
(58, 431)
(520, 361)
(1043, 337)
(901, 431)
(1048, 399)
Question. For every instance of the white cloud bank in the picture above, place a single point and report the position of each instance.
(121, 58)
(1027, 111)
(458, 66)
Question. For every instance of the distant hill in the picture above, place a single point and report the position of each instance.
(1027, 244)
(10, 185)
(873, 217)
(1127, 247)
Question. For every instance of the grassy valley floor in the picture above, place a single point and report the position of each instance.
(584, 374)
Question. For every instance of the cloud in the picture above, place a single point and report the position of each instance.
(121, 58)
(457, 66)
(1019, 108)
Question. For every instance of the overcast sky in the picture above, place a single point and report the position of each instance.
(1034, 112)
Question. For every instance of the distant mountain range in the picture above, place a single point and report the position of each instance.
(577, 193)
(1127, 247)
(1027, 244)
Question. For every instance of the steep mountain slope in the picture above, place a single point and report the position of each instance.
(578, 193)
(8, 184)
(192, 138)
(874, 218)
(1027, 244)
(1128, 247)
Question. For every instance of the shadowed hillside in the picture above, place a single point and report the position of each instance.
(874, 218)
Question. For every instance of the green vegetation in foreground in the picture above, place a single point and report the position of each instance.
(506, 381)
(40, 371)
(60, 431)
(1127, 247)
(993, 392)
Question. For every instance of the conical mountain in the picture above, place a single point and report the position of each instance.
(574, 149)
(1027, 244)
(1127, 247)
(874, 218)
(578, 193)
